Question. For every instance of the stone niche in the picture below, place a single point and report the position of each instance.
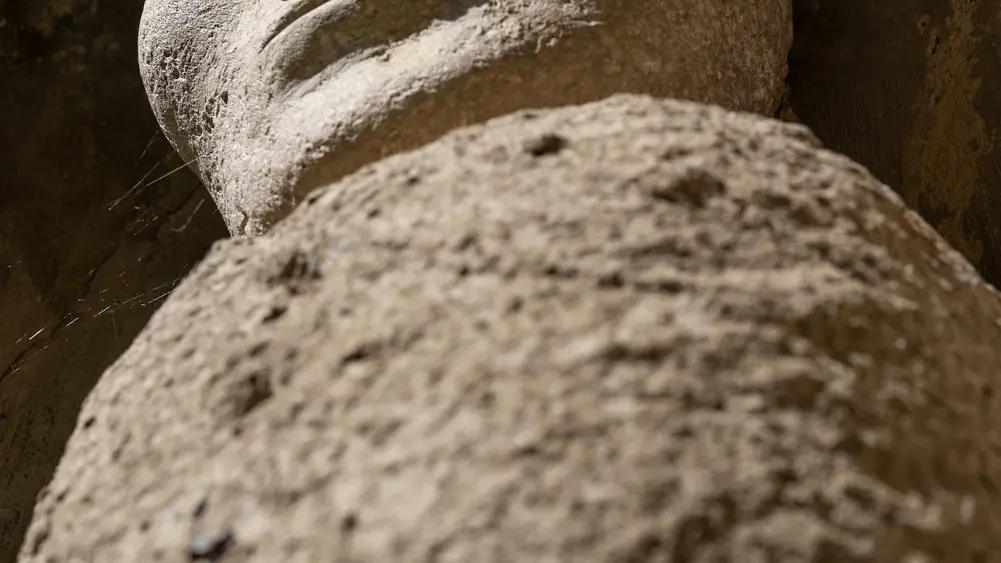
(86, 249)
(912, 90)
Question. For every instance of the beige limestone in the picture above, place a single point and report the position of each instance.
(636, 330)
(269, 99)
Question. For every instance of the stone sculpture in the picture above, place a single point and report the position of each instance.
(632, 330)
(269, 99)
(636, 330)
(260, 132)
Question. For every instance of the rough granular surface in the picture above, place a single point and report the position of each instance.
(630, 331)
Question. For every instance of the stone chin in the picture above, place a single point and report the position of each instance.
(271, 99)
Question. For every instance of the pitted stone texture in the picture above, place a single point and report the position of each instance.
(268, 110)
(636, 330)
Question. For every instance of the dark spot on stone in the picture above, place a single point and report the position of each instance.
(360, 353)
(785, 475)
(211, 547)
(312, 198)
(800, 391)
(621, 352)
(559, 272)
(684, 432)
(675, 152)
(89, 422)
(465, 242)
(611, 280)
(276, 312)
(350, 522)
(37, 540)
(257, 390)
(258, 349)
(116, 454)
(695, 187)
(647, 547)
(657, 497)
(298, 270)
(851, 444)
(771, 200)
(528, 450)
(545, 145)
(200, 508)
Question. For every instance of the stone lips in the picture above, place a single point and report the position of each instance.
(635, 330)
(264, 128)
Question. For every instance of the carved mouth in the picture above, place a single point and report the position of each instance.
(299, 11)
(335, 31)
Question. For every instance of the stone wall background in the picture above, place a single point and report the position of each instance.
(76, 134)
(911, 89)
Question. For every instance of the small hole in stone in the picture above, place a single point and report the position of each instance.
(258, 349)
(546, 145)
(349, 523)
(276, 312)
(210, 547)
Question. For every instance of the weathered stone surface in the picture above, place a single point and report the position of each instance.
(79, 275)
(912, 90)
(269, 107)
(636, 330)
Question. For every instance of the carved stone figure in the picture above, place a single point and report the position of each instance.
(269, 99)
(636, 330)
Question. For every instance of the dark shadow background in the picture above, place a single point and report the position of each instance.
(912, 90)
(87, 251)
